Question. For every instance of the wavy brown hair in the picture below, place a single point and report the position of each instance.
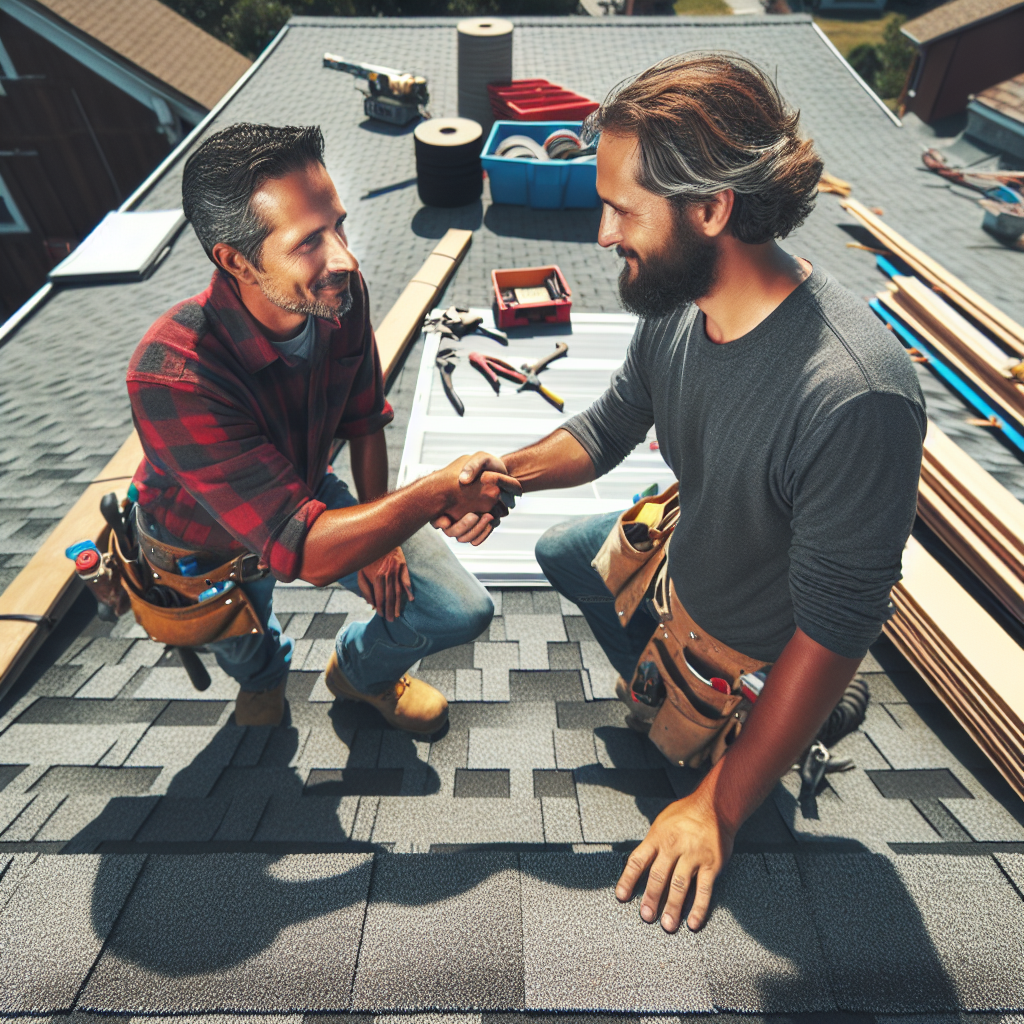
(707, 122)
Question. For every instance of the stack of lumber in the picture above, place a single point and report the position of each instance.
(977, 518)
(1002, 327)
(974, 667)
(972, 354)
(48, 585)
(830, 183)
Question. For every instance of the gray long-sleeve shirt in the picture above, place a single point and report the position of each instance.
(797, 449)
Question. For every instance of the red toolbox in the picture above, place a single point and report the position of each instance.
(549, 310)
(537, 99)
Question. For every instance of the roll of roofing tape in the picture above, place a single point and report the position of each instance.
(485, 55)
(448, 170)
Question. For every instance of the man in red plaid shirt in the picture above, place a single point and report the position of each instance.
(238, 394)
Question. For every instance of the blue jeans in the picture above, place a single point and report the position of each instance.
(565, 553)
(450, 608)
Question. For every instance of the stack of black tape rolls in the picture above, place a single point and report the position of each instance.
(448, 169)
(485, 55)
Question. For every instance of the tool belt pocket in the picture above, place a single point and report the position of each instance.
(195, 623)
(631, 554)
(696, 720)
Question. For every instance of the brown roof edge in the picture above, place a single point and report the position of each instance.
(156, 41)
(954, 17)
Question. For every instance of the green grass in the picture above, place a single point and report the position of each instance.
(846, 33)
(702, 7)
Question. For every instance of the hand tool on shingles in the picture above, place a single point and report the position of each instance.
(492, 367)
(532, 381)
(447, 360)
(456, 322)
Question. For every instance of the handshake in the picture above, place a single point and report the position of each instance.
(481, 493)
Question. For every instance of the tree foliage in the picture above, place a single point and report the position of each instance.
(884, 65)
(249, 25)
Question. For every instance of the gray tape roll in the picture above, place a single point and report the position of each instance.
(484, 55)
(448, 170)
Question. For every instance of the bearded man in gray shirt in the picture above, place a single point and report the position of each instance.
(792, 419)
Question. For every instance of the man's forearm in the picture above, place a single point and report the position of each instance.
(558, 460)
(804, 685)
(345, 540)
(368, 457)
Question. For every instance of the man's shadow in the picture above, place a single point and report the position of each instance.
(202, 912)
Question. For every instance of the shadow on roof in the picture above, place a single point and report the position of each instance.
(549, 225)
(433, 221)
(207, 912)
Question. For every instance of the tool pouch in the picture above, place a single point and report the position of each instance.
(628, 571)
(227, 615)
(695, 721)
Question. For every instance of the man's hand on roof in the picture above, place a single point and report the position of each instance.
(687, 847)
(386, 584)
(474, 528)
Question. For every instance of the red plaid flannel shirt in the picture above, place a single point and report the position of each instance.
(236, 440)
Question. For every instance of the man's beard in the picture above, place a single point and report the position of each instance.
(317, 308)
(682, 272)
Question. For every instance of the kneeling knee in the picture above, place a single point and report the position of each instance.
(550, 549)
(475, 616)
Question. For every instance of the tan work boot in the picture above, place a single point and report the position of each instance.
(264, 708)
(640, 715)
(411, 704)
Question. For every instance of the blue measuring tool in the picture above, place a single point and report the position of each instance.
(949, 375)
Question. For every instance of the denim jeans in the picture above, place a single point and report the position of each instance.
(565, 553)
(450, 607)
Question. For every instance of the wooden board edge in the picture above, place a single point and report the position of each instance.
(42, 586)
(405, 318)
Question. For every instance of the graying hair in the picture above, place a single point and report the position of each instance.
(706, 122)
(222, 175)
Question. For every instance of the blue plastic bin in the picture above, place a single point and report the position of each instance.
(542, 184)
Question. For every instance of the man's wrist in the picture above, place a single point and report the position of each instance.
(717, 803)
(436, 493)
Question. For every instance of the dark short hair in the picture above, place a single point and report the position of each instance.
(222, 175)
(707, 122)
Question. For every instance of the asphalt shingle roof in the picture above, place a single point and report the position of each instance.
(954, 17)
(157, 859)
(157, 39)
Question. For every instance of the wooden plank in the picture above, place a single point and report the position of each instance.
(973, 665)
(42, 586)
(989, 316)
(999, 392)
(454, 244)
(435, 271)
(971, 549)
(931, 308)
(405, 318)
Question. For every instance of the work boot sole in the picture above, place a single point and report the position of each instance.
(337, 682)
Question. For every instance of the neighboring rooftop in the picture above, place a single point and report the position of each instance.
(239, 869)
(954, 17)
(157, 40)
(1006, 97)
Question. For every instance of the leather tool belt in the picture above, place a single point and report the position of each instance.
(193, 623)
(695, 721)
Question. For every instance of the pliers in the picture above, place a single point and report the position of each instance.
(492, 368)
(446, 361)
(456, 322)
